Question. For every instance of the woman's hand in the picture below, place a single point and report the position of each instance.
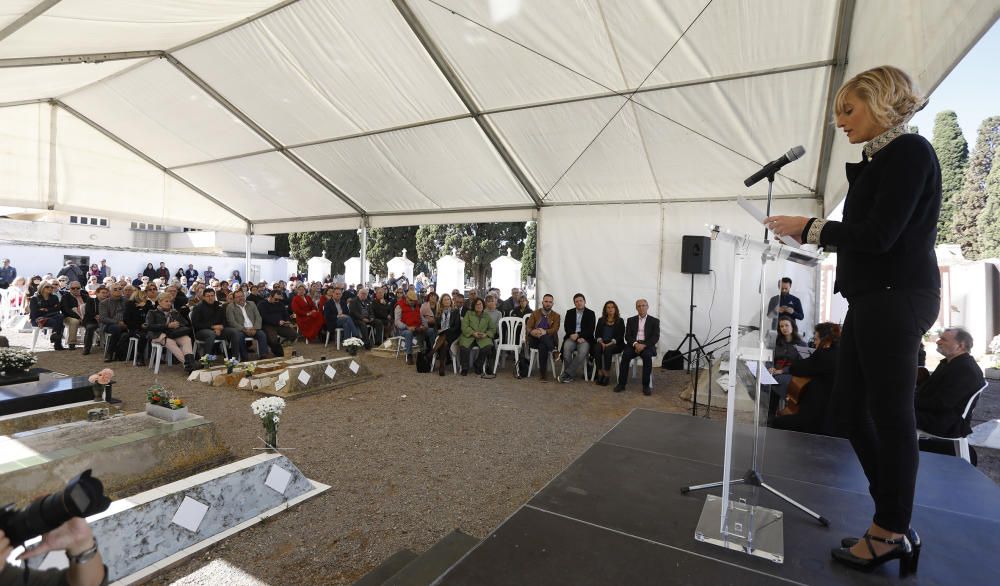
(787, 226)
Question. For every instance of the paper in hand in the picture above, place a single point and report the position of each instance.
(760, 217)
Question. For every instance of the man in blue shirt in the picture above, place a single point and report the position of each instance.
(7, 272)
(784, 304)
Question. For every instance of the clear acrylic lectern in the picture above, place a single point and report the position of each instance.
(736, 520)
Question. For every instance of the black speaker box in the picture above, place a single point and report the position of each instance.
(696, 255)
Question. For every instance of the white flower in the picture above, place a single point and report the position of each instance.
(995, 345)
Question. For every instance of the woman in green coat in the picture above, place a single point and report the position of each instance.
(478, 330)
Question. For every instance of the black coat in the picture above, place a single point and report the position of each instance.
(156, 322)
(942, 398)
(887, 235)
(69, 307)
(652, 331)
(90, 312)
(815, 415)
(40, 307)
(587, 323)
(151, 273)
(204, 316)
(618, 333)
(454, 326)
(135, 315)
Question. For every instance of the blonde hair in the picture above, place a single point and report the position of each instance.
(889, 93)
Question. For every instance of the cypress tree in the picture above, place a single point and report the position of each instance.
(953, 153)
(969, 203)
(989, 221)
(528, 255)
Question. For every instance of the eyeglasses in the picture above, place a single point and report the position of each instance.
(74, 288)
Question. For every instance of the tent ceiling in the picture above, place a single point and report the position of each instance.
(393, 111)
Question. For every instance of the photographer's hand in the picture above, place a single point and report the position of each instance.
(5, 550)
(75, 537)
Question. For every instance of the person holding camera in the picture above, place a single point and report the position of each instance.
(86, 567)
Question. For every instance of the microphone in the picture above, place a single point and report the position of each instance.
(772, 167)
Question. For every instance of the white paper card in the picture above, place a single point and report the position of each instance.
(279, 384)
(355, 367)
(190, 514)
(759, 216)
(278, 479)
(304, 377)
(765, 377)
(330, 372)
(195, 375)
(283, 377)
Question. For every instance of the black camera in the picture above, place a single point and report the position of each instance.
(82, 497)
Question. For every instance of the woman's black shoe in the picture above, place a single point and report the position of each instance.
(903, 551)
(849, 542)
(465, 372)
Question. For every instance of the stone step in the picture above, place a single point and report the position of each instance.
(388, 568)
(435, 561)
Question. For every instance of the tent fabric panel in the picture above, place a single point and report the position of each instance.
(760, 118)
(628, 270)
(444, 165)
(925, 38)
(12, 10)
(158, 110)
(74, 27)
(265, 186)
(460, 217)
(332, 68)
(51, 81)
(758, 35)
(97, 175)
(24, 155)
(500, 73)
(307, 226)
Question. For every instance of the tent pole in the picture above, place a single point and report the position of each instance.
(246, 270)
(364, 252)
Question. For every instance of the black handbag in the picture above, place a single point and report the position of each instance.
(424, 362)
(178, 332)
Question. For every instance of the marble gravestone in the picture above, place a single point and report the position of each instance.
(208, 375)
(311, 377)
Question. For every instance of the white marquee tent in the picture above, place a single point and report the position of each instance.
(634, 121)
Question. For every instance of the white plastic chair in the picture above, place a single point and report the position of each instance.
(454, 359)
(511, 331)
(633, 364)
(340, 332)
(223, 345)
(156, 351)
(961, 443)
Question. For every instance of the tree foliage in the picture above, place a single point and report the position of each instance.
(476, 244)
(339, 245)
(385, 244)
(953, 154)
(989, 221)
(528, 256)
(969, 203)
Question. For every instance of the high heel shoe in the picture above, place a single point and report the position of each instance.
(903, 551)
(849, 542)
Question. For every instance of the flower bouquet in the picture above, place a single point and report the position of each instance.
(206, 360)
(231, 365)
(352, 345)
(993, 373)
(101, 382)
(13, 360)
(269, 410)
(248, 369)
(163, 404)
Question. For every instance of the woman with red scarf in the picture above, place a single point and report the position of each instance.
(307, 314)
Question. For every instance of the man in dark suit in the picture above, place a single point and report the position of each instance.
(784, 304)
(942, 398)
(642, 332)
(578, 326)
(90, 316)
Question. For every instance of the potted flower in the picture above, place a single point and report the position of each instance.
(269, 410)
(14, 361)
(162, 404)
(206, 360)
(352, 345)
(101, 383)
(993, 372)
(248, 369)
(231, 365)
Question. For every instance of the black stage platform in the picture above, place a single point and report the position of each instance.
(40, 395)
(617, 516)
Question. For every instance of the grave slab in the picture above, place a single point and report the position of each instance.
(311, 377)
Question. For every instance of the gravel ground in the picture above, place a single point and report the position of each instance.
(456, 452)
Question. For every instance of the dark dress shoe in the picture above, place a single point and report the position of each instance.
(619, 388)
(72, 346)
(849, 542)
(647, 391)
(903, 551)
(86, 351)
(465, 372)
(409, 359)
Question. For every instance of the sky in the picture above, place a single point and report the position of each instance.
(972, 89)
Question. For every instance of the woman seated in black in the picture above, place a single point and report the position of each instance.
(522, 308)
(813, 412)
(786, 353)
(135, 318)
(609, 339)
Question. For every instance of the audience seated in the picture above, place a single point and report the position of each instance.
(642, 332)
(46, 311)
(449, 323)
(942, 398)
(786, 353)
(166, 326)
(578, 325)
(410, 323)
(383, 311)
(245, 319)
(429, 310)
(495, 314)
(208, 320)
(510, 304)
(136, 310)
(542, 328)
(522, 308)
(73, 306)
(814, 411)
(478, 329)
(336, 315)
(609, 339)
(274, 317)
(112, 318)
(361, 311)
(90, 317)
(307, 314)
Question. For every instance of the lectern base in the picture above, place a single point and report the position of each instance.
(754, 530)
